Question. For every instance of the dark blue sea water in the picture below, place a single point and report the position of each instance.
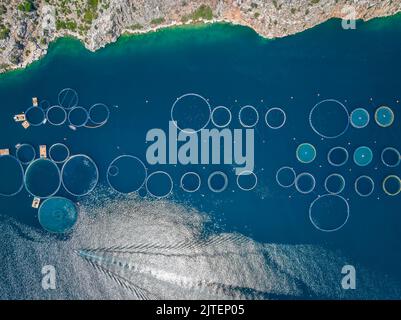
(140, 77)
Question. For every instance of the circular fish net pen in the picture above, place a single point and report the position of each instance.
(78, 117)
(190, 182)
(384, 116)
(217, 181)
(191, 111)
(305, 183)
(42, 178)
(59, 153)
(275, 118)
(337, 156)
(35, 116)
(56, 115)
(44, 104)
(68, 98)
(392, 185)
(12, 176)
(364, 186)
(58, 215)
(126, 174)
(247, 180)
(25, 153)
(159, 184)
(329, 213)
(248, 116)
(390, 157)
(334, 183)
(79, 175)
(99, 115)
(306, 153)
(329, 119)
(285, 177)
(363, 156)
(359, 118)
(221, 116)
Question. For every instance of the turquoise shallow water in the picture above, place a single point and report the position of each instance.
(140, 77)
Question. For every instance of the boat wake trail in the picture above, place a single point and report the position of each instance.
(130, 248)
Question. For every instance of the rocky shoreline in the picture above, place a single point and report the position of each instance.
(28, 26)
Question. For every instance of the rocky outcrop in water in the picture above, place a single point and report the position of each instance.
(28, 26)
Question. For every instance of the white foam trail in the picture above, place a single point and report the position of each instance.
(169, 255)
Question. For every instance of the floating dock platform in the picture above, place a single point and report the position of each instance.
(43, 151)
(35, 203)
(20, 117)
(4, 152)
(25, 124)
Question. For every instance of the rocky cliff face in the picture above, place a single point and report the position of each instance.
(28, 26)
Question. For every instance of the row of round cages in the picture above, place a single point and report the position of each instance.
(128, 174)
(327, 213)
(193, 111)
(338, 156)
(383, 115)
(78, 175)
(43, 173)
(66, 112)
(322, 114)
(43, 176)
(335, 183)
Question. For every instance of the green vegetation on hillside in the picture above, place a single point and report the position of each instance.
(3, 9)
(69, 25)
(204, 12)
(4, 32)
(26, 6)
(91, 11)
(157, 21)
(136, 26)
